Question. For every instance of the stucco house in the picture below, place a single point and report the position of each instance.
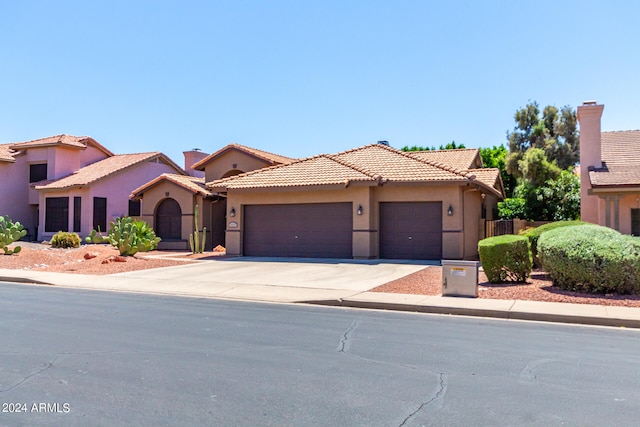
(70, 183)
(369, 202)
(168, 201)
(609, 173)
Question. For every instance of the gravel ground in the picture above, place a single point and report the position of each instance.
(41, 257)
(538, 287)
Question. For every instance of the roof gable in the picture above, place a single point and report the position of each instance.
(269, 158)
(460, 158)
(7, 154)
(190, 183)
(63, 140)
(104, 168)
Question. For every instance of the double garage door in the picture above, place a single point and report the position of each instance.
(408, 230)
(316, 230)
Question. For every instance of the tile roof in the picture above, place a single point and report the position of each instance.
(621, 156)
(62, 140)
(190, 183)
(319, 170)
(6, 153)
(372, 164)
(102, 169)
(460, 158)
(270, 158)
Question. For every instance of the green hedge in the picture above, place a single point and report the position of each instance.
(591, 258)
(534, 234)
(505, 258)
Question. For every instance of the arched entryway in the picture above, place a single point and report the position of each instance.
(168, 220)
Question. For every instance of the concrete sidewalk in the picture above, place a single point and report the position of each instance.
(181, 281)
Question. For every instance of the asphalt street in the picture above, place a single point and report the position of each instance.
(74, 357)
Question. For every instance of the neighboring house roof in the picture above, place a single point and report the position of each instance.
(621, 160)
(265, 156)
(64, 140)
(104, 168)
(6, 153)
(460, 158)
(189, 183)
(372, 165)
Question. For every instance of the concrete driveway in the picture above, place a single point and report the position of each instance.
(348, 275)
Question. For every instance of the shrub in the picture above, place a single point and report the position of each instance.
(10, 232)
(505, 258)
(534, 234)
(591, 258)
(63, 239)
(131, 237)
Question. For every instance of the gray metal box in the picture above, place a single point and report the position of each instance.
(460, 278)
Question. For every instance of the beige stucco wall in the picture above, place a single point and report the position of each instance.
(231, 160)
(460, 232)
(626, 202)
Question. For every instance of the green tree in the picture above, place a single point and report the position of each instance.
(553, 131)
(495, 157)
(450, 146)
(557, 199)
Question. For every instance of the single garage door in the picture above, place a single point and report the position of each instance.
(411, 230)
(317, 230)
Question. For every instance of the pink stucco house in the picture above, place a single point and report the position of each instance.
(609, 173)
(70, 183)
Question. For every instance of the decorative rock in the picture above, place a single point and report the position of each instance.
(219, 248)
(90, 255)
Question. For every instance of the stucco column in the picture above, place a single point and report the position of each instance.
(607, 211)
(589, 116)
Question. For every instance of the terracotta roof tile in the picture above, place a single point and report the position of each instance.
(621, 155)
(63, 140)
(373, 164)
(190, 183)
(6, 153)
(395, 165)
(318, 170)
(263, 155)
(460, 158)
(101, 169)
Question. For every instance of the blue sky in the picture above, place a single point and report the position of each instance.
(300, 78)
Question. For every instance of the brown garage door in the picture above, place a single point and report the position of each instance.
(318, 230)
(411, 230)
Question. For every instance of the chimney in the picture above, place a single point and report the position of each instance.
(192, 157)
(589, 115)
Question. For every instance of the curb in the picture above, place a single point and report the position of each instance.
(479, 312)
(24, 280)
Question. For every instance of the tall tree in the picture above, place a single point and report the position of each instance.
(495, 157)
(450, 146)
(553, 131)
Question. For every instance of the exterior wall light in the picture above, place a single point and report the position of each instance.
(450, 210)
(359, 211)
(232, 212)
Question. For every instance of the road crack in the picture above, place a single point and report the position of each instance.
(47, 365)
(442, 390)
(345, 340)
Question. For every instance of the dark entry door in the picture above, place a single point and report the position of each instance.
(411, 230)
(169, 220)
(316, 230)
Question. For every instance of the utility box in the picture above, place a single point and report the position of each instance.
(459, 278)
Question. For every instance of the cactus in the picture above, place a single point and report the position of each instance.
(10, 232)
(96, 237)
(197, 247)
(131, 236)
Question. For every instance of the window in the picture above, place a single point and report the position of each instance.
(100, 213)
(77, 213)
(635, 222)
(37, 172)
(56, 214)
(134, 208)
